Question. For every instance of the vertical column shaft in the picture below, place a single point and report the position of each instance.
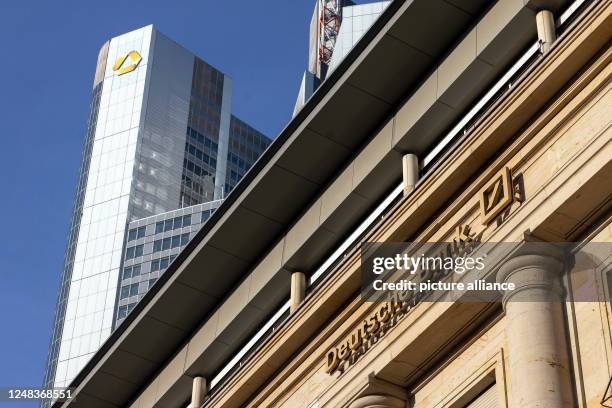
(547, 34)
(410, 172)
(298, 290)
(198, 392)
(536, 333)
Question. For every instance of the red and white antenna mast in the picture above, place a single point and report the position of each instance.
(330, 16)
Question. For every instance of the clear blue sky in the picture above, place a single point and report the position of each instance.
(49, 51)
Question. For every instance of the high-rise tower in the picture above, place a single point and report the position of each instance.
(160, 137)
(335, 27)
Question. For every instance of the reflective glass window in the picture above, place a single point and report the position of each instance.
(166, 243)
(129, 253)
(125, 292)
(157, 245)
(122, 313)
(135, 270)
(178, 222)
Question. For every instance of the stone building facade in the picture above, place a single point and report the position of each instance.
(544, 145)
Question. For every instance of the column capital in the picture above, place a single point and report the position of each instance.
(535, 272)
(378, 401)
(377, 393)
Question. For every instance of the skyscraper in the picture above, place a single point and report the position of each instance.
(335, 27)
(160, 137)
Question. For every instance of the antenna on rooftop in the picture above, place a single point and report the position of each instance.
(330, 16)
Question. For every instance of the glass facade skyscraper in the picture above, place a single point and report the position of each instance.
(356, 20)
(160, 137)
(151, 246)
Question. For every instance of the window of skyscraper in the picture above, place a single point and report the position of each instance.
(206, 215)
(134, 251)
(163, 263)
(122, 313)
(136, 270)
(177, 222)
(125, 292)
(136, 233)
(167, 243)
(129, 253)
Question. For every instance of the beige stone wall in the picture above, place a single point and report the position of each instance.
(590, 329)
(443, 353)
(470, 370)
(564, 149)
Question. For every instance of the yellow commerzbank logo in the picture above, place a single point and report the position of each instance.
(120, 65)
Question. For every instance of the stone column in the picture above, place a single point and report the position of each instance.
(536, 332)
(410, 172)
(377, 393)
(198, 392)
(547, 33)
(298, 290)
(378, 401)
